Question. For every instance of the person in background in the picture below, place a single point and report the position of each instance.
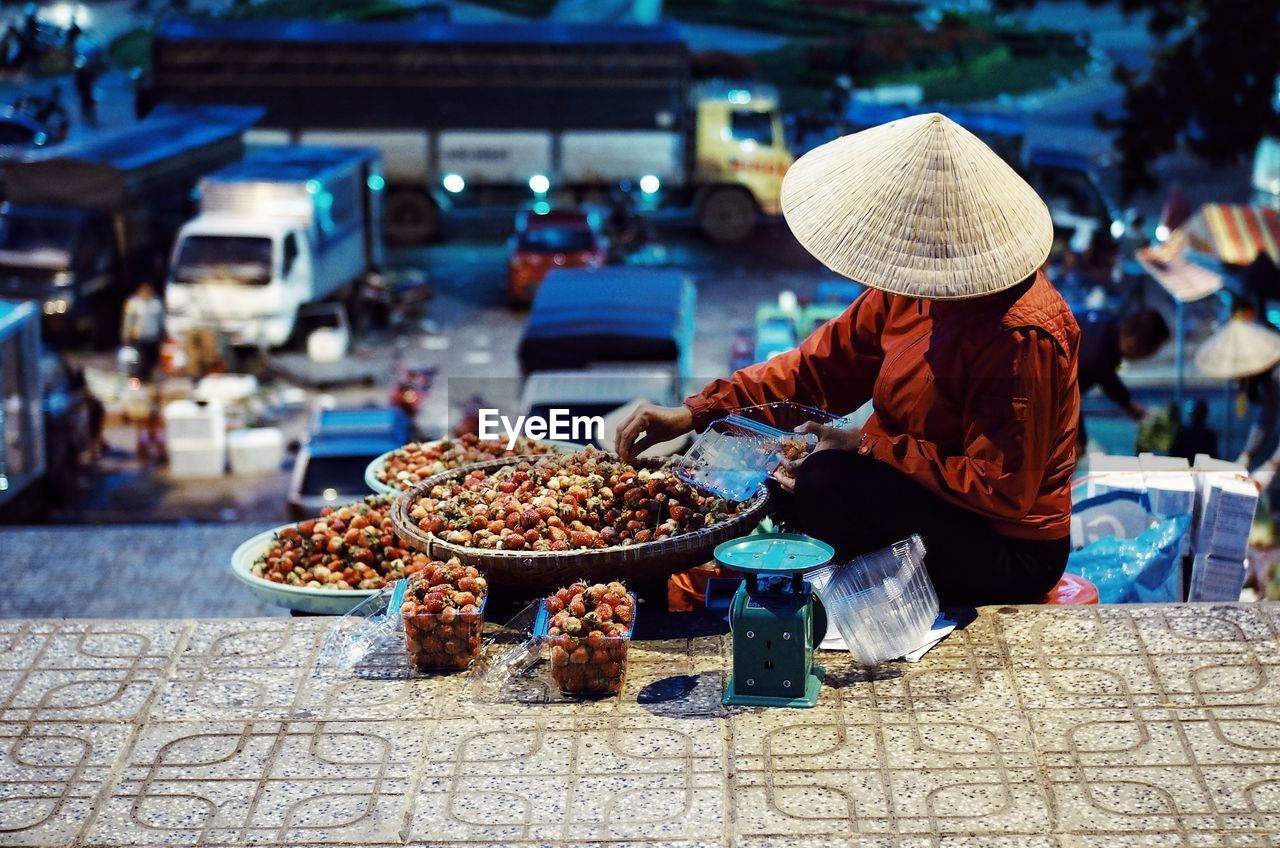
(72, 35)
(29, 36)
(1195, 436)
(1177, 210)
(1108, 340)
(144, 327)
(84, 79)
(1263, 392)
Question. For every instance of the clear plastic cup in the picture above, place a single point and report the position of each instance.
(883, 602)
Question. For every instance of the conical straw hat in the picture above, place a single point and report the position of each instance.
(1239, 348)
(917, 207)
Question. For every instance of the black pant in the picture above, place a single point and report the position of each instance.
(148, 356)
(858, 504)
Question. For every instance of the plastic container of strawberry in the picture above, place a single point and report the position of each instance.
(589, 665)
(449, 640)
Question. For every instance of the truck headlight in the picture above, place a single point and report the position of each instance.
(55, 307)
(1117, 229)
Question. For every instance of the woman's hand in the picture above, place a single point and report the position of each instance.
(650, 425)
(829, 438)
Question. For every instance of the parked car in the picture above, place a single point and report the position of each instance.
(19, 133)
(330, 466)
(565, 238)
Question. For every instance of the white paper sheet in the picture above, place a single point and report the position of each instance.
(942, 626)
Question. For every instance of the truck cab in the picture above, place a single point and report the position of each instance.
(287, 227)
(62, 258)
(741, 156)
(249, 276)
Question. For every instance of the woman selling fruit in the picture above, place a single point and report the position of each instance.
(965, 350)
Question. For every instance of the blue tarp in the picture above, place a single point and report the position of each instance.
(585, 316)
(167, 132)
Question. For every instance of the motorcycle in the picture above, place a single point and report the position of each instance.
(393, 298)
(411, 389)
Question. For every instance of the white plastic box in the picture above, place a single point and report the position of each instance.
(197, 462)
(202, 424)
(258, 450)
(226, 388)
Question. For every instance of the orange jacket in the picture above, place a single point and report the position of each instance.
(976, 400)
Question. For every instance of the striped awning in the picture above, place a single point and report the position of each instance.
(1184, 280)
(1233, 234)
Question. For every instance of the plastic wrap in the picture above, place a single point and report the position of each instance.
(373, 628)
(736, 454)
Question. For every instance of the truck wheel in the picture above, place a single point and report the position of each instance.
(727, 215)
(410, 217)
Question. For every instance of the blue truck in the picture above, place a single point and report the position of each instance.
(82, 226)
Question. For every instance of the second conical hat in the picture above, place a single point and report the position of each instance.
(917, 207)
(1239, 348)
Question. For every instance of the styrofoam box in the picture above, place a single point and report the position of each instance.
(1114, 474)
(1225, 504)
(1216, 578)
(259, 450)
(227, 388)
(198, 424)
(1169, 483)
(195, 463)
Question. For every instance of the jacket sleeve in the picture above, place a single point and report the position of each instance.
(833, 369)
(1015, 388)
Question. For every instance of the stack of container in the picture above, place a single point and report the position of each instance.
(1225, 504)
(196, 437)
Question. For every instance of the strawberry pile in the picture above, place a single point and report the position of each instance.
(589, 629)
(565, 502)
(794, 448)
(408, 466)
(442, 612)
(350, 547)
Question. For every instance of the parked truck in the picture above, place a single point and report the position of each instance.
(524, 112)
(81, 228)
(287, 227)
(1084, 213)
(44, 419)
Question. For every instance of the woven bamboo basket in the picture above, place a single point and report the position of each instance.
(545, 570)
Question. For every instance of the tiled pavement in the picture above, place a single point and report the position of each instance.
(1056, 727)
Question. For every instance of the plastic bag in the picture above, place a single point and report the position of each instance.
(372, 629)
(1142, 570)
(1124, 515)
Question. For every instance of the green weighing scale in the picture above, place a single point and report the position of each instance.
(774, 620)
